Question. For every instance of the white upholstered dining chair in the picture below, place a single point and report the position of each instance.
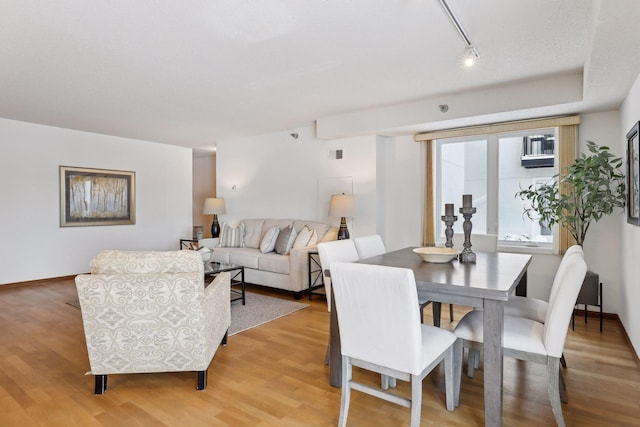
(335, 251)
(379, 334)
(370, 246)
(528, 340)
(536, 309)
(533, 308)
(330, 252)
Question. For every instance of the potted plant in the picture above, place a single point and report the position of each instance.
(597, 187)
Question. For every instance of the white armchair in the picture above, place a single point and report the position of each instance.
(150, 312)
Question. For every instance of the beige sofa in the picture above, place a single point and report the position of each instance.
(288, 272)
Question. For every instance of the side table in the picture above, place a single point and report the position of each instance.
(590, 294)
(315, 273)
(188, 244)
(235, 271)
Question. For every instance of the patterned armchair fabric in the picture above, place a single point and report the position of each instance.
(150, 312)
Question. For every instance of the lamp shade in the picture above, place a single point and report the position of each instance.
(341, 205)
(214, 206)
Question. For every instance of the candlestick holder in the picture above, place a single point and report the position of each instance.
(448, 232)
(467, 255)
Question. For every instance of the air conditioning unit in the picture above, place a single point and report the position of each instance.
(538, 151)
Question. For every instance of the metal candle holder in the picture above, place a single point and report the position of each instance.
(448, 232)
(467, 255)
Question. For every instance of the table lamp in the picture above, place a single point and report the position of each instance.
(214, 206)
(342, 205)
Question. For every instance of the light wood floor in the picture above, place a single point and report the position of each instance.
(274, 375)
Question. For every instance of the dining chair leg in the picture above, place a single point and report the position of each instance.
(387, 381)
(449, 379)
(553, 382)
(563, 389)
(473, 361)
(346, 391)
(416, 400)
(458, 352)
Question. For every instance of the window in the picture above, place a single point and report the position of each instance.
(493, 168)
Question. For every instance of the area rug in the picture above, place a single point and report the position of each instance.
(259, 309)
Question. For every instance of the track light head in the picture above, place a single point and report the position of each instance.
(471, 56)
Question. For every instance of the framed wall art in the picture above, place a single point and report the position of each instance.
(633, 175)
(96, 197)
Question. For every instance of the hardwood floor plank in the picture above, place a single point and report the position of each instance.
(274, 375)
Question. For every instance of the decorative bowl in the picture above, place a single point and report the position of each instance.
(437, 255)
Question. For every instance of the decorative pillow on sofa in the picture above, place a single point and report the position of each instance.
(232, 237)
(285, 240)
(268, 243)
(252, 232)
(313, 239)
(303, 237)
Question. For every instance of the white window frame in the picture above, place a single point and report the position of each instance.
(493, 174)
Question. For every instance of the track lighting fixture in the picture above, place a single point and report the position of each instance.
(471, 55)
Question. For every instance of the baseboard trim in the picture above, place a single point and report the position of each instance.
(37, 282)
(596, 314)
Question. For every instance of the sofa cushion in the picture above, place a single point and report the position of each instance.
(247, 257)
(285, 240)
(320, 227)
(274, 263)
(302, 239)
(252, 232)
(232, 237)
(268, 243)
(221, 255)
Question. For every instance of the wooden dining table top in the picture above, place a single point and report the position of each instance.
(493, 276)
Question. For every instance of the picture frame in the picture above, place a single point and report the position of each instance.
(94, 197)
(633, 175)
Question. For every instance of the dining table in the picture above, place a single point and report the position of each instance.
(485, 284)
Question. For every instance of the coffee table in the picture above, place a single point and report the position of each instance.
(235, 271)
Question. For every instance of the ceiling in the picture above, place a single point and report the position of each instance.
(193, 73)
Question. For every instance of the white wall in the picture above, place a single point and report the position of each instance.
(277, 176)
(34, 246)
(602, 244)
(629, 246)
(400, 174)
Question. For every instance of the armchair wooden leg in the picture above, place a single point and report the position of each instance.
(101, 384)
(202, 380)
(224, 338)
(451, 312)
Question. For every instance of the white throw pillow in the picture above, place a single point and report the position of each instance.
(303, 237)
(268, 243)
(232, 237)
(313, 239)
